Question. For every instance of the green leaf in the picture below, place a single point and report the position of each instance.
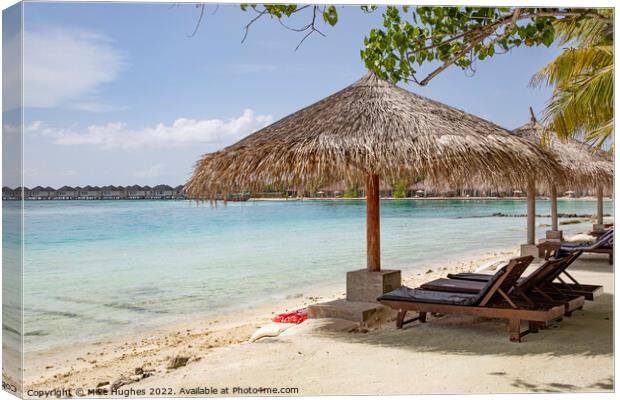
(330, 15)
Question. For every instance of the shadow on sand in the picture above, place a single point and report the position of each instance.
(592, 263)
(589, 332)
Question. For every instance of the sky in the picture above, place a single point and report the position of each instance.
(122, 94)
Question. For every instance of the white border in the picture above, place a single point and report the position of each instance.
(547, 3)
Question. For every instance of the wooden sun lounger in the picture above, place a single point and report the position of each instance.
(530, 289)
(557, 283)
(603, 245)
(551, 283)
(570, 300)
(492, 302)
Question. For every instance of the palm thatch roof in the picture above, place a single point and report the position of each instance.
(372, 126)
(585, 167)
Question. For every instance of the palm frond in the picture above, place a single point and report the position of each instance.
(583, 81)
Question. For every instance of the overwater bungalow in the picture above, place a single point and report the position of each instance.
(40, 193)
(10, 194)
(111, 192)
(89, 193)
(163, 192)
(66, 193)
(148, 192)
(23, 192)
(51, 192)
(135, 192)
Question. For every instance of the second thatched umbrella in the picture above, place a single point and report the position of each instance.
(372, 128)
(585, 168)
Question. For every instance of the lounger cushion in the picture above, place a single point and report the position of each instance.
(603, 241)
(471, 276)
(405, 293)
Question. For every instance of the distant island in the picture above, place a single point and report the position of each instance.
(135, 192)
(166, 192)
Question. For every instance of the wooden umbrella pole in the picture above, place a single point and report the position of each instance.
(599, 205)
(373, 238)
(554, 208)
(531, 212)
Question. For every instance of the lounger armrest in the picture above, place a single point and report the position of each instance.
(549, 249)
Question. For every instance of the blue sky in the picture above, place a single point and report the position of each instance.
(120, 94)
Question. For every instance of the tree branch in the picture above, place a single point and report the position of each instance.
(484, 32)
(312, 28)
(202, 13)
(596, 15)
(247, 27)
(482, 36)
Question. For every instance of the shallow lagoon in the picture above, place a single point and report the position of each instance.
(93, 267)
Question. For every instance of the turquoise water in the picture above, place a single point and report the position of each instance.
(95, 267)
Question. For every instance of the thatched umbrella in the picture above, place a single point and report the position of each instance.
(585, 167)
(369, 129)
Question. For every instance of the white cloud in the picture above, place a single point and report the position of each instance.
(63, 65)
(182, 131)
(150, 173)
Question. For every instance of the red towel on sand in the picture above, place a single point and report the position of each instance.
(295, 317)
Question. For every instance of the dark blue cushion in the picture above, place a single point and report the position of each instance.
(471, 276)
(405, 293)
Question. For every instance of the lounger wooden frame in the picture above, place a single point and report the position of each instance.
(535, 318)
(495, 304)
(532, 289)
(549, 286)
(534, 297)
(590, 292)
(550, 247)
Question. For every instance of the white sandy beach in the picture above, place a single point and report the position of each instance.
(447, 355)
